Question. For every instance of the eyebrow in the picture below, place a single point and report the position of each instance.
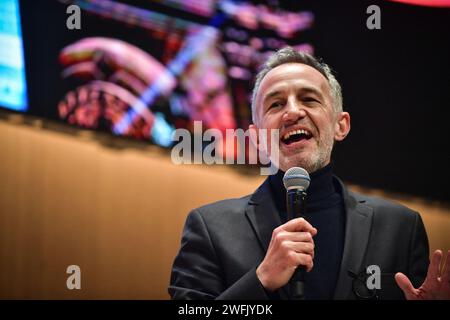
(302, 89)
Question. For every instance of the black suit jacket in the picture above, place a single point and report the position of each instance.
(224, 242)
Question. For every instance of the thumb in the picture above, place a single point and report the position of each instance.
(405, 284)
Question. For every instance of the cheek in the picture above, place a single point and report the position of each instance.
(324, 122)
(270, 121)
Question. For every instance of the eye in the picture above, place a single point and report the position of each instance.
(276, 104)
(310, 99)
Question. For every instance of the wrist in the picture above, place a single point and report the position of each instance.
(263, 279)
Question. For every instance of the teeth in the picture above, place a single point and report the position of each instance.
(300, 131)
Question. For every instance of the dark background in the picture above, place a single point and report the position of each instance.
(396, 84)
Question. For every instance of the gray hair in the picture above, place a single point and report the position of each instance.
(290, 55)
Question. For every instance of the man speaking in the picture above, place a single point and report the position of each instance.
(247, 248)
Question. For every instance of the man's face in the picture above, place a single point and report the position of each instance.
(296, 99)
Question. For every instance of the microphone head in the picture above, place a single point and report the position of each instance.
(296, 178)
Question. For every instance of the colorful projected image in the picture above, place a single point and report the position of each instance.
(429, 3)
(195, 70)
(142, 69)
(123, 83)
(13, 87)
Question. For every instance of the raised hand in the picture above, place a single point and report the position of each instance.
(436, 285)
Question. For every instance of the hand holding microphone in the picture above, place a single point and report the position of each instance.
(292, 245)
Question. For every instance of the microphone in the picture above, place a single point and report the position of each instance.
(296, 180)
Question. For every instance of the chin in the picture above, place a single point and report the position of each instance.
(310, 163)
(305, 163)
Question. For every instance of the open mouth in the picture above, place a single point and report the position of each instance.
(296, 136)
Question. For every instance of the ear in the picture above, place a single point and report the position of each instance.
(342, 127)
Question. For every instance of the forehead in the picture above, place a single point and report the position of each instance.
(293, 74)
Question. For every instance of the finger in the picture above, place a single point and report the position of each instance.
(299, 224)
(313, 231)
(406, 285)
(445, 275)
(304, 260)
(434, 267)
(295, 236)
(301, 247)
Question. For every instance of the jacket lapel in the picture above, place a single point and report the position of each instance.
(264, 218)
(357, 233)
(263, 215)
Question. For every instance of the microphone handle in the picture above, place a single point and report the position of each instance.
(297, 284)
(296, 201)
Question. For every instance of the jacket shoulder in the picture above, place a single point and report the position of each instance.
(227, 206)
(383, 206)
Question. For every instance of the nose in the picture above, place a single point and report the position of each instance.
(294, 111)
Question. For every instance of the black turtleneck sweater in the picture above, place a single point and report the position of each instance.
(324, 211)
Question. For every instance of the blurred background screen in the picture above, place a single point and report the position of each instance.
(13, 88)
(142, 69)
